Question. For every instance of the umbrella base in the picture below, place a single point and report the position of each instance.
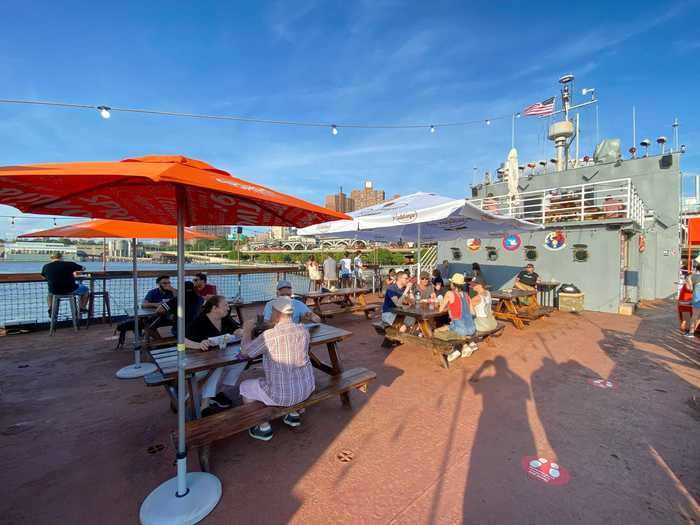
(162, 506)
(134, 371)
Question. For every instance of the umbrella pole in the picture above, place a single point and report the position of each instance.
(137, 369)
(418, 258)
(188, 497)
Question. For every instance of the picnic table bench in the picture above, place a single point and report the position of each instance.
(202, 432)
(343, 300)
(506, 308)
(426, 320)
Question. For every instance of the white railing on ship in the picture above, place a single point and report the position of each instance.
(612, 199)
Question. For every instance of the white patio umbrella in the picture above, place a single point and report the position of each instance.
(420, 216)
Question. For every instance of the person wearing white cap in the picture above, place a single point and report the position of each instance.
(289, 377)
(301, 314)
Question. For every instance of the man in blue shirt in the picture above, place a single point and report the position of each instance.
(397, 294)
(302, 313)
(163, 293)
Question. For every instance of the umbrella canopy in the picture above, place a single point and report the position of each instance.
(144, 189)
(109, 229)
(438, 218)
(163, 190)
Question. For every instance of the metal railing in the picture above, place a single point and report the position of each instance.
(612, 199)
(23, 296)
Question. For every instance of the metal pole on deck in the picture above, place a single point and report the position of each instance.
(418, 258)
(137, 369)
(188, 497)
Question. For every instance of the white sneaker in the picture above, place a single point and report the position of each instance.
(468, 350)
(691, 335)
(455, 354)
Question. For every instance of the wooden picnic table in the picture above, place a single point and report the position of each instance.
(425, 316)
(198, 360)
(506, 308)
(345, 300)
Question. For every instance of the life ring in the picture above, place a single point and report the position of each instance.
(642, 243)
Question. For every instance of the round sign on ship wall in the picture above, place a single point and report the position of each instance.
(474, 244)
(555, 240)
(512, 242)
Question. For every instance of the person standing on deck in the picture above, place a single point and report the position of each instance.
(693, 283)
(330, 272)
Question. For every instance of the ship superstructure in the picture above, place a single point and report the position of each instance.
(612, 225)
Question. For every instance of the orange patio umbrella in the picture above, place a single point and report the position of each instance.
(165, 190)
(103, 228)
(112, 229)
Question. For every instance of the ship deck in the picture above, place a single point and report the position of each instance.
(425, 445)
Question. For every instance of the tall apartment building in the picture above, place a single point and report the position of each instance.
(367, 196)
(358, 199)
(339, 202)
(222, 232)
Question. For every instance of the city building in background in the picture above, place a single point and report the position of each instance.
(358, 199)
(222, 232)
(339, 202)
(366, 197)
(279, 233)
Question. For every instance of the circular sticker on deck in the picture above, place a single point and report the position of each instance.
(605, 384)
(555, 240)
(512, 242)
(474, 244)
(544, 470)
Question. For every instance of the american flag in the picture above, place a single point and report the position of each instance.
(540, 109)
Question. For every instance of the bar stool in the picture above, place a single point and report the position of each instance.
(56, 307)
(106, 308)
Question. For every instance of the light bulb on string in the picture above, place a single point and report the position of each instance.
(334, 129)
(432, 129)
(54, 221)
(12, 221)
(104, 111)
(488, 122)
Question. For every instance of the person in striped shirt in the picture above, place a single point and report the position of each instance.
(289, 376)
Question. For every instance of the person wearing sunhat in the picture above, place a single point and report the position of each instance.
(301, 313)
(289, 377)
(458, 305)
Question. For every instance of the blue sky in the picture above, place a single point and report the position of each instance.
(357, 62)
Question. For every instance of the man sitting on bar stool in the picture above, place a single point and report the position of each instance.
(60, 276)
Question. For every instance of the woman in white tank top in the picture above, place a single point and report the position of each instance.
(484, 320)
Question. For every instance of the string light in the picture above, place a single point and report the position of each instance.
(106, 112)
